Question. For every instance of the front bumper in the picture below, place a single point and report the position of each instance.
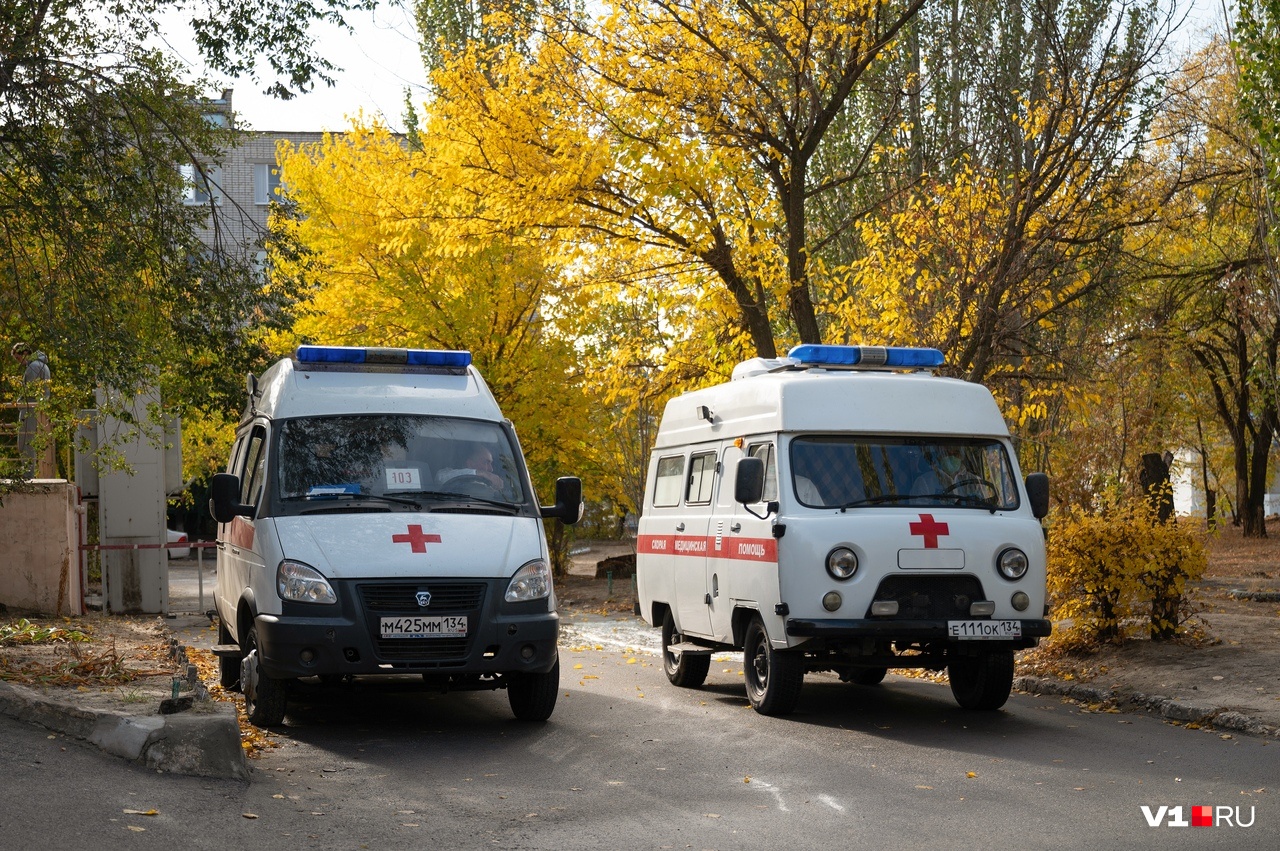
(343, 639)
(895, 629)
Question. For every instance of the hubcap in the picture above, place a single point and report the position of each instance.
(761, 665)
(249, 677)
(671, 657)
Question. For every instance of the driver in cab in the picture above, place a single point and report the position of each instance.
(477, 463)
(947, 474)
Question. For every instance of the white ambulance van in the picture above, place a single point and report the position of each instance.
(842, 509)
(376, 518)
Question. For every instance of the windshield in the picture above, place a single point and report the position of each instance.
(335, 458)
(851, 472)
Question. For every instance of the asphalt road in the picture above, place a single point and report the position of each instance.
(630, 762)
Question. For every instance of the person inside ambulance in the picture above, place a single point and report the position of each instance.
(477, 463)
(950, 474)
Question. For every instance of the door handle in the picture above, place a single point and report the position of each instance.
(679, 527)
(736, 527)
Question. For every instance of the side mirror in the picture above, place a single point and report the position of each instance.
(224, 500)
(568, 507)
(1038, 494)
(748, 484)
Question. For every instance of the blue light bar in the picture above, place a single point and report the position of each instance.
(330, 354)
(430, 357)
(867, 356)
(379, 355)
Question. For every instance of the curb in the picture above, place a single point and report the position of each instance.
(203, 742)
(1173, 710)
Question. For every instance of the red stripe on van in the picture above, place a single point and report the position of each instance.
(240, 533)
(730, 548)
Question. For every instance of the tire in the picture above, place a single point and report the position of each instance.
(533, 696)
(228, 666)
(773, 677)
(866, 676)
(686, 670)
(982, 682)
(265, 697)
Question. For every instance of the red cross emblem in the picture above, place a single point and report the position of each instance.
(930, 529)
(417, 540)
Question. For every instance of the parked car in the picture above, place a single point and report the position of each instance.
(178, 538)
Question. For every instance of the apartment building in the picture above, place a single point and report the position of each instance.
(241, 186)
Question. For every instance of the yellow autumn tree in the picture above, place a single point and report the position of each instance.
(685, 128)
(372, 241)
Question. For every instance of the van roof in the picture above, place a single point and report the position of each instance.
(291, 389)
(831, 400)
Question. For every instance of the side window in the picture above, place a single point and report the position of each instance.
(254, 468)
(235, 465)
(667, 482)
(702, 478)
(764, 451)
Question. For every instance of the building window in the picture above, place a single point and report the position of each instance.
(266, 183)
(202, 184)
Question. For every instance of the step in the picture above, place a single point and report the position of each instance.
(688, 647)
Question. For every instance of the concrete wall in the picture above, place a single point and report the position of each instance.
(39, 549)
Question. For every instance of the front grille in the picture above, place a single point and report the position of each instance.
(455, 598)
(422, 649)
(401, 598)
(930, 597)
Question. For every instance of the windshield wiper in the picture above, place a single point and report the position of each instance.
(356, 496)
(878, 499)
(986, 502)
(463, 497)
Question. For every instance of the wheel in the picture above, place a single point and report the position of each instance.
(264, 697)
(983, 681)
(687, 670)
(866, 676)
(228, 666)
(773, 677)
(533, 696)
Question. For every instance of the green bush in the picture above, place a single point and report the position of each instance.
(1119, 570)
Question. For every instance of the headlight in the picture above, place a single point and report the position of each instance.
(842, 563)
(531, 582)
(1012, 563)
(302, 583)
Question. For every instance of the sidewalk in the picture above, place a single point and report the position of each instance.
(203, 740)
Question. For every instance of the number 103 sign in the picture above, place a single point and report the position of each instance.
(403, 478)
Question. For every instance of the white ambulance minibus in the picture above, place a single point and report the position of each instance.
(376, 518)
(842, 509)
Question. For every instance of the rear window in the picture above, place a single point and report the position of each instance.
(668, 482)
(702, 478)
